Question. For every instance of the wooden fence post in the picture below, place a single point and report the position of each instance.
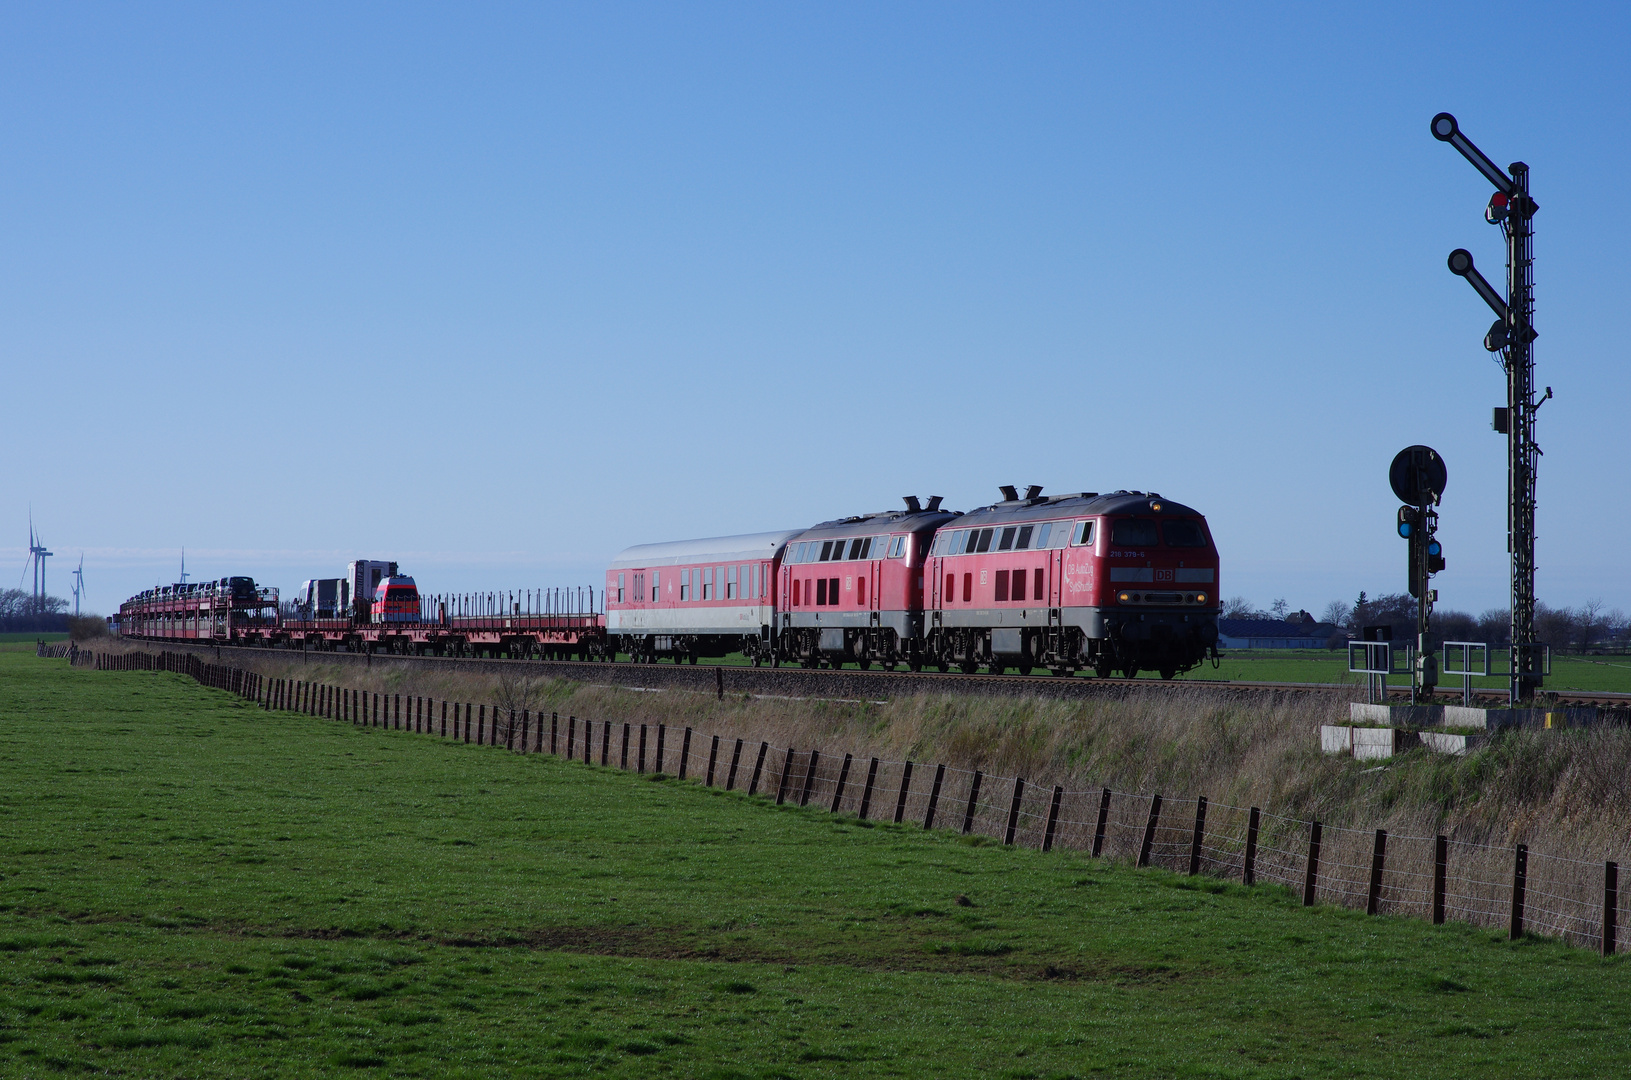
(625, 763)
(1149, 830)
(758, 767)
(1104, 820)
(572, 736)
(1520, 879)
(1373, 900)
(525, 719)
(1611, 905)
(642, 757)
(809, 778)
(713, 760)
(444, 719)
(1013, 809)
(843, 775)
(934, 796)
(973, 803)
(866, 792)
(1199, 838)
(787, 768)
(905, 788)
(1053, 817)
(1248, 866)
(736, 758)
(469, 710)
(1311, 878)
(657, 764)
(605, 743)
(685, 753)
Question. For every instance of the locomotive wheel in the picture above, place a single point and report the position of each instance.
(1103, 669)
(995, 668)
(1130, 671)
(864, 665)
(1167, 672)
(1025, 669)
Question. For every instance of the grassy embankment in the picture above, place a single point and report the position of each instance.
(194, 886)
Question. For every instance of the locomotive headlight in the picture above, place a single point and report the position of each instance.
(1124, 597)
(1200, 598)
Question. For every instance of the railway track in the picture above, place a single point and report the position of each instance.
(848, 684)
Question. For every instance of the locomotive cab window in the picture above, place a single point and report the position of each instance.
(1083, 535)
(897, 546)
(1183, 533)
(1134, 532)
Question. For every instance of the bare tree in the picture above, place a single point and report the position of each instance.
(1336, 613)
(1238, 607)
(1495, 627)
(519, 687)
(1589, 624)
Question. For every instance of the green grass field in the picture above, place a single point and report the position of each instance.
(192, 887)
(23, 637)
(1610, 674)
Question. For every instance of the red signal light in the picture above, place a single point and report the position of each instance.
(1496, 211)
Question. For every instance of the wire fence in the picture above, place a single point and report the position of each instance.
(1428, 877)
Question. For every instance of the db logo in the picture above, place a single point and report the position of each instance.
(1163, 575)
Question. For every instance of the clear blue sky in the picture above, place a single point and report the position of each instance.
(499, 290)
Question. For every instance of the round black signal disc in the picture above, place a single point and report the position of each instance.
(1417, 475)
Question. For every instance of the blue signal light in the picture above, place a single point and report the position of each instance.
(1434, 548)
(1404, 529)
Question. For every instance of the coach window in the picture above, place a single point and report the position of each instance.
(685, 585)
(656, 585)
(730, 583)
(1006, 543)
(708, 592)
(1023, 541)
(620, 588)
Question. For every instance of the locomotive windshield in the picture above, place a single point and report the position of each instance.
(1180, 532)
(1134, 532)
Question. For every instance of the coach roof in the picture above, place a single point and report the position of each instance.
(713, 549)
